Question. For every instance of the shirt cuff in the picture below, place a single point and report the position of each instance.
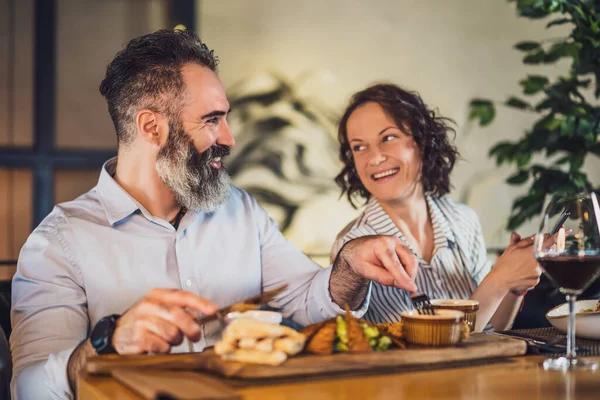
(323, 307)
(56, 375)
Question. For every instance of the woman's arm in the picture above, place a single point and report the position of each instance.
(515, 271)
(507, 311)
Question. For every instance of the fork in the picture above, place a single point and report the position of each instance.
(422, 304)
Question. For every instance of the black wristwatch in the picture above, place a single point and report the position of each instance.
(102, 335)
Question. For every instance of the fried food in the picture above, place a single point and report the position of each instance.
(251, 328)
(290, 346)
(322, 341)
(256, 357)
(393, 329)
(265, 345)
(252, 341)
(348, 334)
(357, 338)
(248, 343)
(242, 307)
(310, 330)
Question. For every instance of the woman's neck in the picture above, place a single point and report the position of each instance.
(411, 216)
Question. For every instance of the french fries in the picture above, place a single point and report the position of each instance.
(258, 342)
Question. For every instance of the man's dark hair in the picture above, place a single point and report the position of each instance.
(147, 74)
(413, 117)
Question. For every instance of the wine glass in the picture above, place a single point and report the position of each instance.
(567, 248)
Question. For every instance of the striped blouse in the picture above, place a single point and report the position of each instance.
(458, 265)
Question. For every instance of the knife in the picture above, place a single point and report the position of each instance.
(536, 345)
(250, 303)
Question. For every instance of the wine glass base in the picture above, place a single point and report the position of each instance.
(569, 364)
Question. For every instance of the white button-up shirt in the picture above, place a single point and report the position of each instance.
(101, 253)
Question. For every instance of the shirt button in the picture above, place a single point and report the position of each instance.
(188, 282)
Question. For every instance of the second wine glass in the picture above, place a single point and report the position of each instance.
(567, 247)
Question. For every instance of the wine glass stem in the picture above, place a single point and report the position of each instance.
(571, 329)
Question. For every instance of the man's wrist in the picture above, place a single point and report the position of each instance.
(76, 362)
(101, 337)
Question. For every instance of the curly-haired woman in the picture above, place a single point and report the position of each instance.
(397, 158)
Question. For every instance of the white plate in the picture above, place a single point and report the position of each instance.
(587, 325)
(259, 315)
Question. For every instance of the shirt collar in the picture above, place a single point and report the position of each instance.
(441, 226)
(117, 203)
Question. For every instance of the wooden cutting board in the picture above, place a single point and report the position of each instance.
(180, 385)
(480, 346)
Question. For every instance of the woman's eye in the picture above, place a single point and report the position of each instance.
(358, 147)
(387, 138)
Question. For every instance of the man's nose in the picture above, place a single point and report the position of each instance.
(225, 137)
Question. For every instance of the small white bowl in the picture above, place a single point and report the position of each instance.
(259, 315)
(587, 325)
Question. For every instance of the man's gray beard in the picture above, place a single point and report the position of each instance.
(194, 183)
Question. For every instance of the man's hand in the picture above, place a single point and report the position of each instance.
(160, 320)
(384, 259)
(516, 269)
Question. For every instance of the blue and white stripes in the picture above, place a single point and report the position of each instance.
(458, 265)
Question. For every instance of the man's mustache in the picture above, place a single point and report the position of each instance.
(216, 150)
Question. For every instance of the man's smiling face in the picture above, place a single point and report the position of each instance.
(190, 163)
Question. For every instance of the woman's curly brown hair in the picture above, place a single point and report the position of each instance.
(429, 131)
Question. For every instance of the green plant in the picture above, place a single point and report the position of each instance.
(569, 113)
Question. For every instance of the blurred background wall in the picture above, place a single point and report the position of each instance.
(289, 68)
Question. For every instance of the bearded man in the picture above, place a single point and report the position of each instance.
(163, 236)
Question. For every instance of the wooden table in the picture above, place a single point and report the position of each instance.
(514, 378)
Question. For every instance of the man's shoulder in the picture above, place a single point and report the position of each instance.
(86, 207)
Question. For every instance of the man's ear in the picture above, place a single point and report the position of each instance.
(152, 127)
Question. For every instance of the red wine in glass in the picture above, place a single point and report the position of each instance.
(571, 274)
(567, 246)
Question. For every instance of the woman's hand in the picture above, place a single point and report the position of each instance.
(516, 270)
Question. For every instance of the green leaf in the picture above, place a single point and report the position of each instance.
(579, 179)
(515, 102)
(576, 162)
(553, 124)
(483, 110)
(536, 57)
(559, 21)
(522, 159)
(518, 178)
(527, 46)
(503, 151)
(594, 27)
(568, 126)
(563, 49)
(534, 83)
(595, 149)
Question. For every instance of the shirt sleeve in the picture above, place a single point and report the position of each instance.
(307, 299)
(49, 315)
(480, 263)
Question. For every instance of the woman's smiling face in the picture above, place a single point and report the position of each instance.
(387, 160)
